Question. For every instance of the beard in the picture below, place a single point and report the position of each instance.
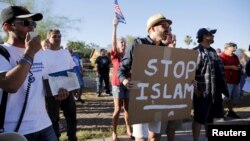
(161, 35)
(211, 41)
(19, 35)
(164, 35)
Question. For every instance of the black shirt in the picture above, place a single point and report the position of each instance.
(103, 64)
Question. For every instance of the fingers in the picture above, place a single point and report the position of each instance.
(130, 84)
(125, 82)
(195, 84)
(32, 45)
(27, 37)
(62, 94)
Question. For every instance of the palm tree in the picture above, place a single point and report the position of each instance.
(188, 40)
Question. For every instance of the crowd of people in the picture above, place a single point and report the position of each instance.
(27, 107)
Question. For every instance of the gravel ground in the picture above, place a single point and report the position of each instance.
(96, 112)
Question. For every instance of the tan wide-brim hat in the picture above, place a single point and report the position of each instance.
(12, 137)
(156, 18)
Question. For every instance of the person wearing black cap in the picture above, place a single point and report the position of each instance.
(158, 28)
(21, 77)
(209, 83)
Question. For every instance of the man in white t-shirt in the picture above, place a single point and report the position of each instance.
(22, 75)
(57, 60)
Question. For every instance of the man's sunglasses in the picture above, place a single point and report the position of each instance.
(25, 23)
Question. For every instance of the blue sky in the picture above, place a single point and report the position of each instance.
(230, 17)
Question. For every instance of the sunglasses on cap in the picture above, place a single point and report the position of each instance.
(25, 23)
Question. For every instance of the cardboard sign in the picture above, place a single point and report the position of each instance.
(162, 80)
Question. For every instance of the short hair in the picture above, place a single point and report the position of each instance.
(52, 31)
(121, 39)
(230, 44)
(102, 49)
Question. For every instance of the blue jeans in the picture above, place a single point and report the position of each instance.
(47, 134)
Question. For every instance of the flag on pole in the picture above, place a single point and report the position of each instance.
(118, 13)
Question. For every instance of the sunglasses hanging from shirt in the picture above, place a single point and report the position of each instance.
(25, 23)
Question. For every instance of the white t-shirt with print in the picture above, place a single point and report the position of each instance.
(35, 116)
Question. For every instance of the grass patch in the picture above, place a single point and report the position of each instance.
(95, 133)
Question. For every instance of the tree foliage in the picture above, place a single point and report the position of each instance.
(130, 39)
(49, 21)
(188, 40)
(83, 49)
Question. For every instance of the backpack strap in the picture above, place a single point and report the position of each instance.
(6, 55)
(3, 110)
(4, 52)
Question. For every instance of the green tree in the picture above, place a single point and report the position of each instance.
(188, 40)
(130, 39)
(93, 46)
(83, 49)
(49, 21)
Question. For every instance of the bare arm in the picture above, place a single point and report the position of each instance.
(12, 80)
(114, 38)
(232, 67)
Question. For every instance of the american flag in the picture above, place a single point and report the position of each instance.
(118, 13)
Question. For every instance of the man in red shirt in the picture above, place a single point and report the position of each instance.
(233, 75)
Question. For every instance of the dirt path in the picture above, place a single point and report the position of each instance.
(96, 112)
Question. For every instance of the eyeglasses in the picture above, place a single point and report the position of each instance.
(25, 23)
(209, 34)
(56, 36)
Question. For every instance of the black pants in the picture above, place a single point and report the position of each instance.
(99, 82)
(205, 110)
(69, 110)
